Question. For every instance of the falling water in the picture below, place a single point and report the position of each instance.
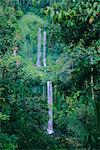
(50, 105)
(49, 83)
(44, 49)
(44, 61)
(39, 49)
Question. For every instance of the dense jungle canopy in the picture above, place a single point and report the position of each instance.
(49, 41)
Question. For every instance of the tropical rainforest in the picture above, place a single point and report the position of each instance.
(49, 75)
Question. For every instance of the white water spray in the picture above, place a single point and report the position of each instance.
(39, 49)
(44, 49)
(50, 105)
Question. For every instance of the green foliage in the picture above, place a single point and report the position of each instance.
(22, 116)
(78, 19)
(80, 114)
(27, 31)
(72, 40)
(75, 32)
(7, 142)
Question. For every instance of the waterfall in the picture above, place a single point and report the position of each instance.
(44, 49)
(50, 105)
(49, 83)
(44, 61)
(39, 49)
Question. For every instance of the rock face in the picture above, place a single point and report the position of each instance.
(50, 105)
(38, 63)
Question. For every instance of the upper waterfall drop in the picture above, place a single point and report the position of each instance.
(44, 49)
(38, 63)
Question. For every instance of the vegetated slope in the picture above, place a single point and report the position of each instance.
(72, 40)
